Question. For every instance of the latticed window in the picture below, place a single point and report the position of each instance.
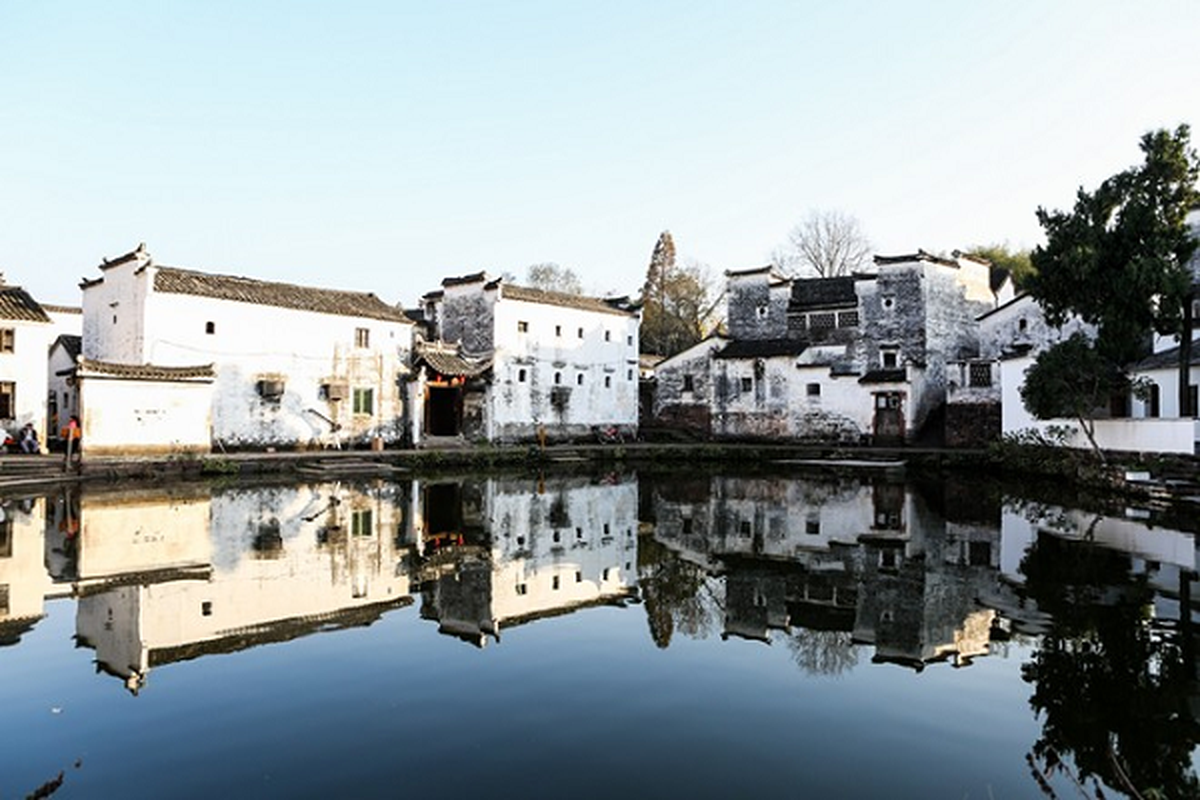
(980, 374)
(847, 319)
(8, 339)
(362, 337)
(822, 322)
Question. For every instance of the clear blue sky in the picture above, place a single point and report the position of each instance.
(384, 146)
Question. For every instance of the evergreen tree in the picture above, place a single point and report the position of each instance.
(674, 302)
(1119, 259)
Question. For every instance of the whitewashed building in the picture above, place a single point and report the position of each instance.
(293, 366)
(857, 357)
(26, 331)
(506, 362)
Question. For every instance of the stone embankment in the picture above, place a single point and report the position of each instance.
(1175, 481)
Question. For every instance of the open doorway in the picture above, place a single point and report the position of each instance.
(443, 410)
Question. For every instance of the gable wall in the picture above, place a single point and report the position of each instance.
(552, 346)
(304, 349)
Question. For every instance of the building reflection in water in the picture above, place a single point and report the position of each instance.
(838, 562)
(166, 575)
(163, 577)
(499, 552)
(24, 583)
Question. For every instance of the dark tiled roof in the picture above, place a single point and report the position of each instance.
(824, 292)
(132, 255)
(55, 309)
(920, 255)
(280, 295)
(71, 343)
(17, 304)
(731, 273)
(1168, 358)
(762, 348)
(144, 372)
(474, 277)
(447, 361)
(616, 305)
(884, 376)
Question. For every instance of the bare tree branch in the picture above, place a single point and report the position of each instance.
(825, 244)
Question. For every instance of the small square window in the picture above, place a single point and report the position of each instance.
(813, 390)
(557, 378)
(689, 384)
(578, 576)
(210, 327)
(522, 588)
(362, 337)
(522, 327)
(206, 608)
(520, 376)
(579, 379)
(8, 338)
(747, 384)
(889, 358)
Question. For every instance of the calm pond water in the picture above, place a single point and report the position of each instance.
(688, 635)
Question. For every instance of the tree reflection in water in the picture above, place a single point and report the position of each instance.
(1113, 686)
(819, 652)
(678, 594)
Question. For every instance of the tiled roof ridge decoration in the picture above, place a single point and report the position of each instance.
(768, 268)
(920, 255)
(149, 372)
(137, 254)
(18, 304)
(174, 280)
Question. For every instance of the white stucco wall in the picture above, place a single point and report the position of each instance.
(1162, 435)
(27, 368)
(1167, 380)
(149, 417)
(250, 342)
(598, 370)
